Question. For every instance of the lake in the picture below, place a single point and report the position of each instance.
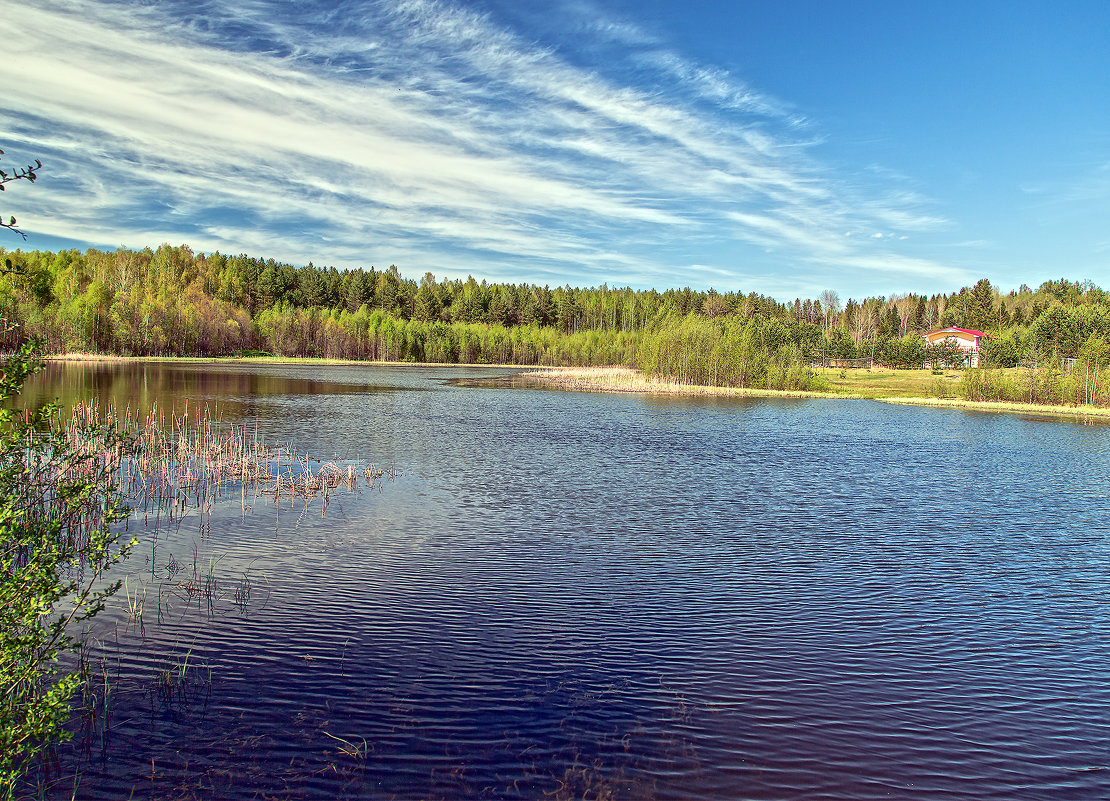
(572, 595)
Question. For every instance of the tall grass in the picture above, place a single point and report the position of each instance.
(623, 379)
(1048, 386)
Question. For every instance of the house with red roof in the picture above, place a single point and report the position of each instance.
(967, 339)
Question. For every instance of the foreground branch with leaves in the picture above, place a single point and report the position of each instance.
(58, 535)
(20, 174)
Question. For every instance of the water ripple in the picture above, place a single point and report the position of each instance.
(575, 596)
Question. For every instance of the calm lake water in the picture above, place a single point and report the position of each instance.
(571, 595)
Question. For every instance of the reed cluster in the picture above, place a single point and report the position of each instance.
(623, 379)
(172, 462)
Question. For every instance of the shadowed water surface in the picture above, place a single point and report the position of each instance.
(571, 595)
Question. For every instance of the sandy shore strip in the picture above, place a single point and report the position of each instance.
(86, 357)
(623, 379)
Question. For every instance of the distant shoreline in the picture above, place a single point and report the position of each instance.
(307, 360)
(626, 380)
(621, 380)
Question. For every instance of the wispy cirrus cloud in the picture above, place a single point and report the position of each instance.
(426, 134)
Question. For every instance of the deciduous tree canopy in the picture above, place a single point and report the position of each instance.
(172, 301)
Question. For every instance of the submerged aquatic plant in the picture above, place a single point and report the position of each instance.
(68, 482)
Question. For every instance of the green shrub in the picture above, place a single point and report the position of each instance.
(58, 504)
(939, 388)
(980, 384)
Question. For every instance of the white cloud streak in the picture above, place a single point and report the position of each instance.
(421, 133)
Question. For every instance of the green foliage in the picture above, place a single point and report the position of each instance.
(1001, 351)
(945, 353)
(729, 352)
(908, 352)
(841, 346)
(427, 305)
(980, 384)
(1085, 383)
(979, 308)
(1057, 332)
(57, 509)
(939, 388)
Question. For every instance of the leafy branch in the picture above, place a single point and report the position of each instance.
(21, 174)
(58, 535)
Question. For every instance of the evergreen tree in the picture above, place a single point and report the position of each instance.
(355, 291)
(979, 306)
(427, 304)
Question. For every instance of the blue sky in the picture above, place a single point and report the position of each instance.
(785, 147)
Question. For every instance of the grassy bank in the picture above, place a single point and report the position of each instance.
(909, 387)
(1072, 412)
(881, 383)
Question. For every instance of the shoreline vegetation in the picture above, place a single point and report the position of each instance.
(625, 379)
(1004, 407)
(1048, 347)
(620, 379)
(903, 387)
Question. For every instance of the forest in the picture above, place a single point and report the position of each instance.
(174, 302)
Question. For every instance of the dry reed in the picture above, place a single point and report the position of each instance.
(624, 379)
(177, 462)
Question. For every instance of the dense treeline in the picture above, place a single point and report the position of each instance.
(1061, 319)
(171, 301)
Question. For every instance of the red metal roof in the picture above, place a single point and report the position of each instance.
(961, 330)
